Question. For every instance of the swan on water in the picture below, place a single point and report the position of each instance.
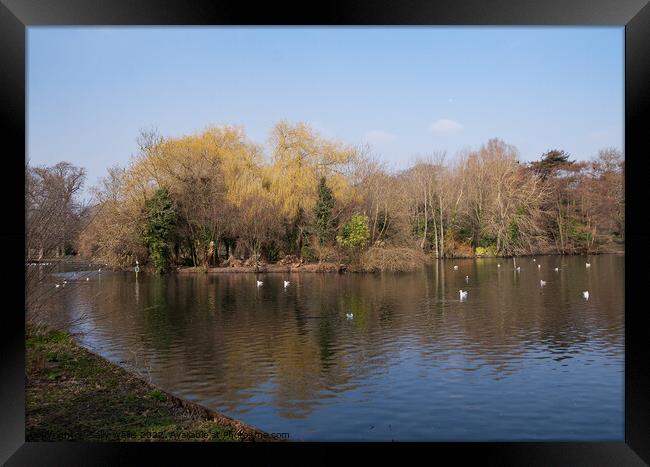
(259, 283)
(542, 283)
(586, 294)
(455, 268)
(588, 265)
(557, 269)
(539, 266)
(467, 279)
(286, 284)
(463, 294)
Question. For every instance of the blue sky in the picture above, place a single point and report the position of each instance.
(405, 91)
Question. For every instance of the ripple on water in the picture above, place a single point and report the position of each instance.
(513, 362)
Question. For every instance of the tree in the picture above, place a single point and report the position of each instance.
(323, 212)
(53, 221)
(160, 219)
(355, 235)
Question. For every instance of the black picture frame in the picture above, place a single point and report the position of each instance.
(634, 15)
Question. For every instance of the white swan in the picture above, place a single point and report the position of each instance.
(259, 283)
(542, 283)
(286, 284)
(463, 294)
(586, 294)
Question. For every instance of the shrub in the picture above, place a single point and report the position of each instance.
(489, 251)
(393, 259)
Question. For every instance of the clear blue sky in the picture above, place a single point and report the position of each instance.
(406, 91)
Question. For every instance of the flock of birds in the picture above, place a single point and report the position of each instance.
(461, 293)
(542, 283)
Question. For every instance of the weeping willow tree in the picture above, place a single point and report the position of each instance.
(300, 159)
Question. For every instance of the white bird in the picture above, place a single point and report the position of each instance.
(455, 268)
(498, 265)
(286, 284)
(586, 294)
(57, 285)
(534, 260)
(539, 266)
(87, 278)
(65, 282)
(518, 268)
(463, 294)
(259, 283)
(542, 283)
(349, 315)
(100, 270)
(588, 265)
(467, 279)
(557, 269)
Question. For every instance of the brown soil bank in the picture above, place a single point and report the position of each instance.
(309, 267)
(75, 395)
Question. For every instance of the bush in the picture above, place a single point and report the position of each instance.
(393, 259)
(308, 254)
(489, 251)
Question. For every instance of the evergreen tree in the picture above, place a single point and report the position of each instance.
(160, 220)
(323, 212)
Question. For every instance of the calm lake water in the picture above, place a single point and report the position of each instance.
(514, 361)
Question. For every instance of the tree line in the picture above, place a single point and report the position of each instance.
(214, 198)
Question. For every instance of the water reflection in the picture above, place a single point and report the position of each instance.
(513, 361)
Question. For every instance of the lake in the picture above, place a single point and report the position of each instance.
(513, 361)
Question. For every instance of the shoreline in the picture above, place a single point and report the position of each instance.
(74, 394)
(328, 267)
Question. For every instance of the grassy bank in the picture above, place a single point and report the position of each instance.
(75, 395)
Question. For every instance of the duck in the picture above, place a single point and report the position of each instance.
(542, 283)
(463, 294)
(586, 294)
(286, 284)
(349, 315)
(259, 283)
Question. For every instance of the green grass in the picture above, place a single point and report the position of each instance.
(73, 394)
